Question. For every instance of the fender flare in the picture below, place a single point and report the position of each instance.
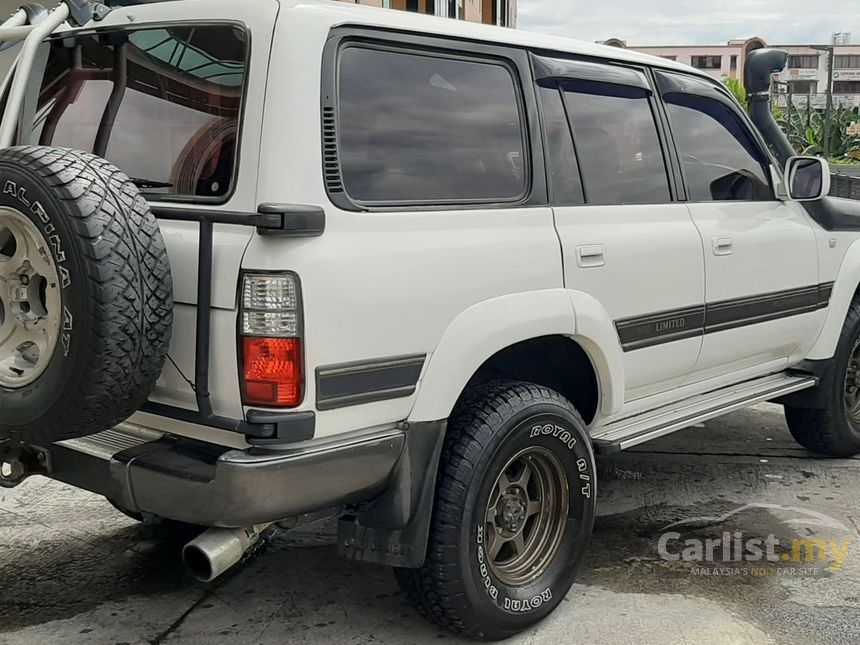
(490, 326)
(843, 292)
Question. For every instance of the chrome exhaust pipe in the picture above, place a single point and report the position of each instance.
(213, 552)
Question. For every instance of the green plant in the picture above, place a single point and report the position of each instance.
(737, 88)
(848, 160)
(805, 129)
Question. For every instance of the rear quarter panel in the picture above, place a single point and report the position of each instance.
(377, 285)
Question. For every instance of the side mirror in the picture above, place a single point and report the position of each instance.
(807, 178)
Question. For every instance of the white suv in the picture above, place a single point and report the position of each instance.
(323, 259)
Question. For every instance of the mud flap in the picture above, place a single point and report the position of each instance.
(393, 529)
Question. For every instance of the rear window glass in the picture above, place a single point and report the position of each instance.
(416, 128)
(162, 104)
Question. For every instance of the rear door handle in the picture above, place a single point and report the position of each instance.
(722, 245)
(590, 255)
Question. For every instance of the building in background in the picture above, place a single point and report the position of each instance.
(805, 78)
(490, 12)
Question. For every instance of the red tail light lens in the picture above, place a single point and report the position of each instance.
(272, 372)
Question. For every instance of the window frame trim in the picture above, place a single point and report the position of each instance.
(555, 86)
(677, 188)
(514, 60)
(552, 68)
(218, 200)
(726, 99)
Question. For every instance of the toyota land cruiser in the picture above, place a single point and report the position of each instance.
(271, 260)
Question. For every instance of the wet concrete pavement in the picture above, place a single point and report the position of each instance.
(74, 570)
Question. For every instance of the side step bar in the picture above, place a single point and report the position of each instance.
(629, 432)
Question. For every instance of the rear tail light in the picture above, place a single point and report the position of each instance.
(271, 343)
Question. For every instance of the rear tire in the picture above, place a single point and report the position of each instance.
(833, 427)
(513, 514)
(86, 297)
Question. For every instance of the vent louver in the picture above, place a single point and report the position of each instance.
(331, 163)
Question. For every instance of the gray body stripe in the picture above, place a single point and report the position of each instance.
(347, 384)
(688, 322)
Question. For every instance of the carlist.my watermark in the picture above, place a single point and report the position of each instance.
(736, 552)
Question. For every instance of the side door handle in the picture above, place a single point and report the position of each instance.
(722, 245)
(590, 255)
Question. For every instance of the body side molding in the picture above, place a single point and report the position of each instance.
(360, 382)
(676, 324)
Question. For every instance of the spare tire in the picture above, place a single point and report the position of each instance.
(86, 295)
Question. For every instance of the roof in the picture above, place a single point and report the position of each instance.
(341, 13)
(347, 13)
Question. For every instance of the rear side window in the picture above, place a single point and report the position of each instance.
(424, 129)
(162, 104)
(617, 144)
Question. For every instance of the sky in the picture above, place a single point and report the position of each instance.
(683, 22)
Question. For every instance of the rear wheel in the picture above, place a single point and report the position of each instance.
(513, 514)
(833, 426)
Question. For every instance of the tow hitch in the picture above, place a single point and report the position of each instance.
(18, 461)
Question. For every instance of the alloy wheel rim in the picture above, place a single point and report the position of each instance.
(30, 301)
(526, 516)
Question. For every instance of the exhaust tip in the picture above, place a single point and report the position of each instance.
(198, 563)
(213, 552)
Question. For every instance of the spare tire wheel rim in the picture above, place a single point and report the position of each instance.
(30, 301)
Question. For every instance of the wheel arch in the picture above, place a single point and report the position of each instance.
(569, 329)
(514, 336)
(846, 288)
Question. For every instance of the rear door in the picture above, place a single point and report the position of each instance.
(761, 261)
(626, 240)
(171, 96)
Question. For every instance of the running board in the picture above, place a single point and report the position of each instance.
(640, 428)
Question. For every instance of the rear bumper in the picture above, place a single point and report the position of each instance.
(206, 484)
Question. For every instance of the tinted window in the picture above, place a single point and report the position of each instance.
(176, 122)
(416, 128)
(617, 145)
(721, 159)
(564, 173)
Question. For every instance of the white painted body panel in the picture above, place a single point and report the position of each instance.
(653, 262)
(839, 263)
(379, 285)
(772, 249)
(388, 284)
